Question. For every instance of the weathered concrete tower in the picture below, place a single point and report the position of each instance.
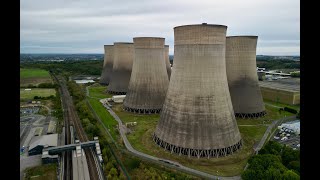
(107, 65)
(242, 76)
(197, 117)
(122, 66)
(149, 80)
(166, 55)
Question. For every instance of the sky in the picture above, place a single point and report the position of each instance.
(84, 26)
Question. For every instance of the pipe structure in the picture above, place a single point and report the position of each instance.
(122, 66)
(242, 76)
(166, 59)
(197, 118)
(107, 65)
(149, 80)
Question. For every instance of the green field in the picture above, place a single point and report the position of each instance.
(98, 91)
(29, 95)
(34, 77)
(43, 172)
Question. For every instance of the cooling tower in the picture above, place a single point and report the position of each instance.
(197, 117)
(149, 80)
(123, 53)
(166, 55)
(242, 76)
(107, 65)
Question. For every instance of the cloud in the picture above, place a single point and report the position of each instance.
(87, 25)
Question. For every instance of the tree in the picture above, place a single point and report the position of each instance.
(290, 175)
(113, 172)
(294, 165)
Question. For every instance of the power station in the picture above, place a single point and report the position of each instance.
(166, 58)
(149, 80)
(242, 76)
(122, 66)
(107, 65)
(197, 117)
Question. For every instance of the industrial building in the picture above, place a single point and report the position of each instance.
(107, 65)
(149, 79)
(118, 98)
(39, 142)
(122, 66)
(166, 59)
(197, 117)
(242, 76)
(286, 91)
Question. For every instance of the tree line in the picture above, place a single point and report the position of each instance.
(274, 161)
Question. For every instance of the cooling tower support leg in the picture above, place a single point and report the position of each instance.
(142, 111)
(198, 153)
(251, 115)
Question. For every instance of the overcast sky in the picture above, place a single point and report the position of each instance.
(84, 26)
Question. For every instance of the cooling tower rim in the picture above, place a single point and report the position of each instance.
(122, 43)
(203, 24)
(148, 38)
(108, 45)
(239, 36)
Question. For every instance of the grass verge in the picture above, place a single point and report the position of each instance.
(43, 172)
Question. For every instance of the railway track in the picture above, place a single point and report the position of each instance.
(71, 118)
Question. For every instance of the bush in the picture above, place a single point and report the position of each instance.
(290, 110)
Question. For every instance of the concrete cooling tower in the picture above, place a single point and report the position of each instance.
(122, 66)
(242, 76)
(197, 117)
(166, 55)
(149, 80)
(107, 65)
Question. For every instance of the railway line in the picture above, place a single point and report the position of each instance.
(72, 119)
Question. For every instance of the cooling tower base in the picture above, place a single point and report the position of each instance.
(142, 111)
(117, 93)
(104, 84)
(199, 153)
(251, 115)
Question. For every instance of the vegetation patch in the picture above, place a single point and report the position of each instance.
(43, 172)
(274, 161)
(98, 91)
(39, 92)
(34, 76)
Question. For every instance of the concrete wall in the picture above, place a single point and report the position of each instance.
(282, 96)
(122, 66)
(166, 59)
(107, 65)
(242, 76)
(149, 80)
(197, 114)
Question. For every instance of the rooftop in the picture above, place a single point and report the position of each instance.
(290, 84)
(49, 140)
